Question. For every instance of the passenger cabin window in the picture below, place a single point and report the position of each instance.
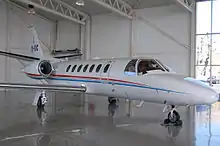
(98, 68)
(74, 67)
(85, 68)
(148, 65)
(130, 67)
(106, 68)
(91, 68)
(68, 68)
(79, 68)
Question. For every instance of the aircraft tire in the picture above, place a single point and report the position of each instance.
(111, 100)
(175, 118)
(39, 103)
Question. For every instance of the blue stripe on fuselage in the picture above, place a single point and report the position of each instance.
(109, 82)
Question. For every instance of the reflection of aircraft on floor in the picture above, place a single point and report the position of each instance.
(144, 79)
(173, 131)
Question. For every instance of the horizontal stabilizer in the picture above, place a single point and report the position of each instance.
(44, 87)
(67, 56)
(72, 51)
(19, 56)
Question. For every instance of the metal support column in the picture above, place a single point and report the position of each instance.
(192, 33)
(88, 39)
(131, 37)
(128, 106)
(130, 102)
(85, 42)
(7, 49)
(211, 42)
(190, 124)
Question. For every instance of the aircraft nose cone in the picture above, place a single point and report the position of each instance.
(204, 90)
(215, 96)
(211, 95)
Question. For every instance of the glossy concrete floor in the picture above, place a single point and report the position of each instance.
(72, 120)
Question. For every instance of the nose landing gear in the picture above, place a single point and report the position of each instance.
(173, 117)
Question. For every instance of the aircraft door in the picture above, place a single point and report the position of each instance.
(104, 75)
(105, 70)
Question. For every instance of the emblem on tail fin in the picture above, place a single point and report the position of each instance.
(34, 48)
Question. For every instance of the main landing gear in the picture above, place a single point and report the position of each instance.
(112, 100)
(40, 99)
(112, 106)
(173, 117)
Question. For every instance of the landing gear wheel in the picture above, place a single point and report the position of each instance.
(42, 100)
(39, 103)
(112, 100)
(173, 118)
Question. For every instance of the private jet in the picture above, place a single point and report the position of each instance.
(137, 78)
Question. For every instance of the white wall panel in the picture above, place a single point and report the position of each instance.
(110, 36)
(68, 35)
(148, 41)
(19, 39)
(171, 19)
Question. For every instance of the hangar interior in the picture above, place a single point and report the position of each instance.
(166, 30)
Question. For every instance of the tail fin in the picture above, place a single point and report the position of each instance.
(36, 45)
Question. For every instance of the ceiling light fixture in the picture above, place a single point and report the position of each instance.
(80, 2)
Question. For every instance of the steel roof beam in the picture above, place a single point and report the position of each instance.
(117, 6)
(187, 4)
(59, 8)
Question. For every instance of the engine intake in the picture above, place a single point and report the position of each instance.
(45, 68)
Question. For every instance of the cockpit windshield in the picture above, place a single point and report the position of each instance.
(147, 65)
(142, 66)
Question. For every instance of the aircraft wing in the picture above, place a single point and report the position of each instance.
(44, 87)
(19, 56)
(31, 58)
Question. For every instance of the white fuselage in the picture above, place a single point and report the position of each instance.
(156, 86)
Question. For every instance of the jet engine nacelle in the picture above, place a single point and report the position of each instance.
(44, 68)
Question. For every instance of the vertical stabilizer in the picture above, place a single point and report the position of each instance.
(36, 45)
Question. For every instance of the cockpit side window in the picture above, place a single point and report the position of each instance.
(164, 66)
(148, 65)
(130, 67)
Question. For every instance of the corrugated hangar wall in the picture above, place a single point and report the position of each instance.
(68, 35)
(111, 36)
(15, 37)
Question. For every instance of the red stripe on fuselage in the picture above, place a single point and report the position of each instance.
(86, 77)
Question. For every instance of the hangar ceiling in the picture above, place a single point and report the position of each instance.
(140, 4)
(90, 7)
(95, 7)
